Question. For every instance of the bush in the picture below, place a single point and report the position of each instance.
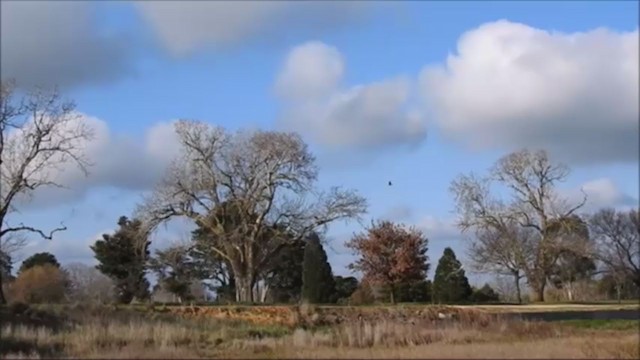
(39, 284)
(17, 308)
(484, 295)
(417, 291)
(363, 295)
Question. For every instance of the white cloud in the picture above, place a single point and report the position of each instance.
(601, 193)
(186, 26)
(57, 43)
(364, 117)
(439, 229)
(312, 70)
(511, 85)
(117, 161)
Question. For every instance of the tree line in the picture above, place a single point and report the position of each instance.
(302, 275)
(260, 220)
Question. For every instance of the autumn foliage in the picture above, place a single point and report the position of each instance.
(39, 284)
(390, 255)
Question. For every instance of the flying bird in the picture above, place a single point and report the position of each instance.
(390, 183)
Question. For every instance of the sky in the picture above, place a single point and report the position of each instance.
(410, 92)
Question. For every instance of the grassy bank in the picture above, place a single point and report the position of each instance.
(145, 332)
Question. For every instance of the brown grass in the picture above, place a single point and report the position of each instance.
(104, 332)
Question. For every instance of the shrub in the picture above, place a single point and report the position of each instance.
(363, 295)
(484, 294)
(39, 284)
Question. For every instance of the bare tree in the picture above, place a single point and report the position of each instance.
(617, 235)
(87, 284)
(10, 245)
(264, 178)
(534, 206)
(499, 244)
(502, 252)
(40, 136)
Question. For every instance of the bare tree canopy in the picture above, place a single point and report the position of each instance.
(40, 135)
(527, 231)
(617, 236)
(502, 251)
(265, 178)
(87, 284)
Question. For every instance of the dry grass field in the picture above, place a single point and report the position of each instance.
(258, 332)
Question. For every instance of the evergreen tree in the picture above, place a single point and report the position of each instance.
(485, 294)
(284, 273)
(176, 271)
(415, 291)
(123, 257)
(318, 285)
(450, 284)
(39, 259)
(345, 287)
(209, 266)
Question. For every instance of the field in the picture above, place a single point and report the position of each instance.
(307, 332)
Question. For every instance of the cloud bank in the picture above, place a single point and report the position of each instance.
(510, 85)
(184, 27)
(49, 43)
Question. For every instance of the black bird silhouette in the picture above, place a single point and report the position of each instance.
(390, 183)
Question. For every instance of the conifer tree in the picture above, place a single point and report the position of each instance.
(450, 284)
(39, 259)
(123, 257)
(318, 284)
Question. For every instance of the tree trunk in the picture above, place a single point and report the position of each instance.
(244, 289)
(265, 292)
(392, 294)
(3, 300)
(538, 292)
(516, 278)
(569, 291)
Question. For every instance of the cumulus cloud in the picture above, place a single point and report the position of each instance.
(186, 26)
(601, 193)
(511, 85)
(365, 117)
(117, 161)
(57, 43)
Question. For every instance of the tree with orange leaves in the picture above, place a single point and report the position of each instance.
(390, 254)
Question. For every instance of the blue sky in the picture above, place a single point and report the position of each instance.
(409, 92)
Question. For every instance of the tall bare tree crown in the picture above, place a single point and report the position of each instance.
(262, 181)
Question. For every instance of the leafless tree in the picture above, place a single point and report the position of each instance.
(502, 251)
(506, 288)
(88, 285)
(10, 245)
(264, 178)
(617, 235)
(40, 136)
(534, 206)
